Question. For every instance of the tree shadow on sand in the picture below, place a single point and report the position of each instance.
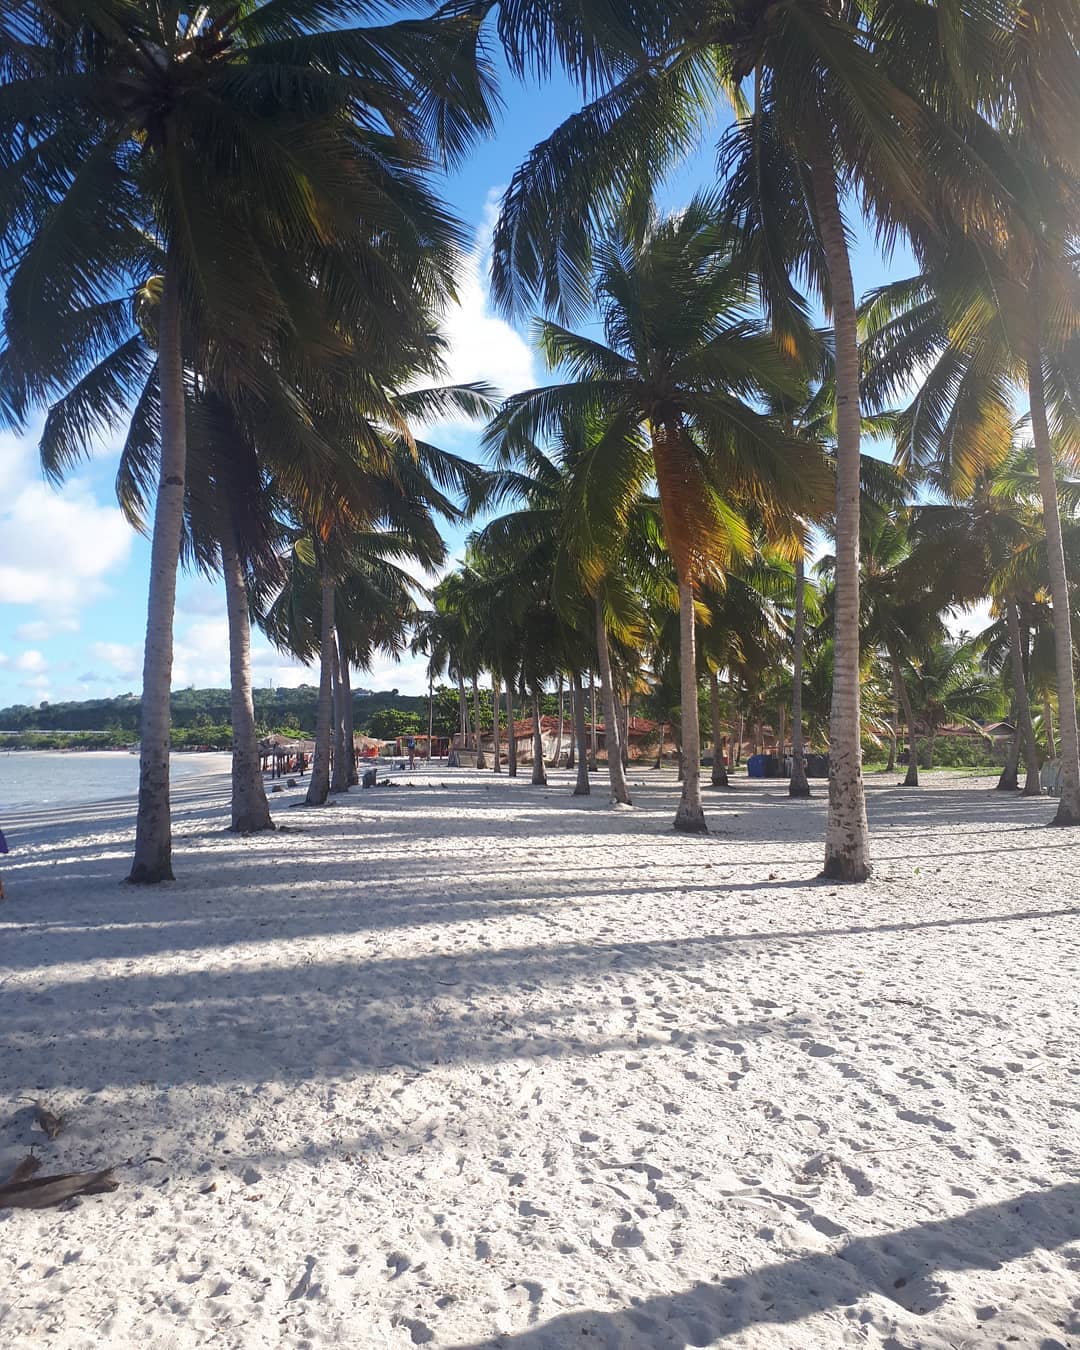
(908, 1267)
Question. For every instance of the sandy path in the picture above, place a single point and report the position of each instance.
(469, 1063)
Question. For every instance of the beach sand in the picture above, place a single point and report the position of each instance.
(469, 1063)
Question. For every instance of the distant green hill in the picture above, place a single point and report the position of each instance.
(199, 716)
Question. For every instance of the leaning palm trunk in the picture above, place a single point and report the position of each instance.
(481, 762)
(847, 839)
(620, 789)
(798, 785)
(539, 773)
(347, 713)
(511, 734)
(894, 720)
(559, 733)
(1048, 719)
(577, 698)
(593, 765)
(1068, 812)
(690, 817)
(153, 827)
(1025, 727)
(463, 709)
(319, 783)
(250, 811)
(497, 757)
(339, 778)
(719, 768)
(911, 779)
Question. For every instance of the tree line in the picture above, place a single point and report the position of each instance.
(221, 236)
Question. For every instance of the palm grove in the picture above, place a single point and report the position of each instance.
(222, 240)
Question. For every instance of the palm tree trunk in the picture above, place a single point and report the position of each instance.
(463, 709)
(339, 778)
(781, 736)
(912, 777)
(593, 764)
(539, 773)
(1068, 811)
(511, 736)
(798, 786)
(719, 769)
(349, 729)
(1007, 781)
(250, 811)
(690, 817)
(1023, 703)
(152, 861)
(577, 698)
(739, 742)
(660, 746)
(430, 717)
(559, 733)
(496, 766)
(847, 836)
(890, 767)
(620, 788)
(481, 762)
(319, 782)
(1048, 718)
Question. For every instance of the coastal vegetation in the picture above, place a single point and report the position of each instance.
(223, 241)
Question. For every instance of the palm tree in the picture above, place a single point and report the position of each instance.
(682, 359)
(975, 333)
(232, 151)
(548, 540)
(356, 589)
(831, 107)
(947, 686)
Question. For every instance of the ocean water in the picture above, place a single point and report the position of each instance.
(31, 778)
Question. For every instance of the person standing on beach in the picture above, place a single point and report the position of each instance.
(3, 849)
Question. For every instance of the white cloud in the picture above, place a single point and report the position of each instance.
(55, 547)
(40, 630)
(483, 346)
(201, 597)
(31, 661)
(123, 657)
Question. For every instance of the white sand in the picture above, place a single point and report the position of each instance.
(473, 1064)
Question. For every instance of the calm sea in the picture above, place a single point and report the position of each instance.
(30, 778)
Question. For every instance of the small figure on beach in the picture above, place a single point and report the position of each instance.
(3, 849)
(410, 745)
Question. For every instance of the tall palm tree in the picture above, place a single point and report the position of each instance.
(831, 109)
(974, 334)
(229, 149)
(682, 359)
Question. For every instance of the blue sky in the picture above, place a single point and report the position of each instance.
(73, 575)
